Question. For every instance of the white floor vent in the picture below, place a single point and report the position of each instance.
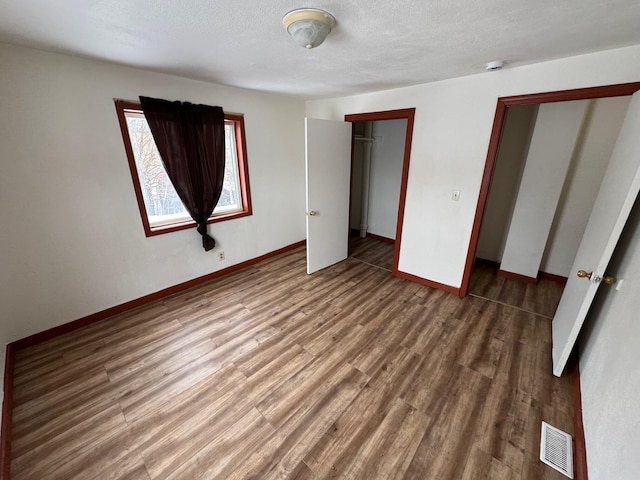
(556, 449)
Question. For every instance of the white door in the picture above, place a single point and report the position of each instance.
(617, 194)
(328, 175)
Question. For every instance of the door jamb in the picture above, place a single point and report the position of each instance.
(408, 114)
(589, 93)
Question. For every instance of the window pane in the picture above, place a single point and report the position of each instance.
(160, 198)
(230, 196)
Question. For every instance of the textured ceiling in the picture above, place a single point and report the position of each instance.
(377, 44)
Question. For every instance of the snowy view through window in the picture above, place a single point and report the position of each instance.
(160, 198)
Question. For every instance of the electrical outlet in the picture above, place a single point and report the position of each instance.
(221, 256)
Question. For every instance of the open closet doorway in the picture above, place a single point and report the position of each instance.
(376, 176)
(546, 187)
(381, 145)
(549, 166)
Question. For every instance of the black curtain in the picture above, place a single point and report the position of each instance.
(190, 139)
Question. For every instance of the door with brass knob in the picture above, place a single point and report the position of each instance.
(328, 174)
(618, 192)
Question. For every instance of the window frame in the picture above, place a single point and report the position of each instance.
(122, 106)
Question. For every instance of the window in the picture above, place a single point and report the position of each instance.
(160, 207)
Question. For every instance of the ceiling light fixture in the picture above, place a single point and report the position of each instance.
(494, 66)
(308, 26)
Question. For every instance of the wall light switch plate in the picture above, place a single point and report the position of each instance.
(455, 196)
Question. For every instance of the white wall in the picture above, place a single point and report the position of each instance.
(598, 137)
(508, 170)
(72, 241)
(451, 135)
(550, 153)
(609, 367)
(387, 157)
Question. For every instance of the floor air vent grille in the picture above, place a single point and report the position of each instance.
(556, 449)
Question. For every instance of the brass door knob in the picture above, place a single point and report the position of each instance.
(584, 274)
(312, 213)
(606, 279)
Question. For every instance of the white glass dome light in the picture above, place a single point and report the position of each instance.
(308, 26)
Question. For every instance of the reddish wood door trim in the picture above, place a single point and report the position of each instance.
(496, 137)
(580, 470)
(409, 114)
(7, 414)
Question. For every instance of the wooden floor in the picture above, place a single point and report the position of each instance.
(371, 251)
(270, 373)
(541, 298)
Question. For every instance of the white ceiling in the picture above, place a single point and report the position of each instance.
(377, 44)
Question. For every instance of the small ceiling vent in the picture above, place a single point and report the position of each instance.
(556, 449)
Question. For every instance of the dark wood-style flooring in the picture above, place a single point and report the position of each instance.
(541, 298)
(269, 373)
(372, 251)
